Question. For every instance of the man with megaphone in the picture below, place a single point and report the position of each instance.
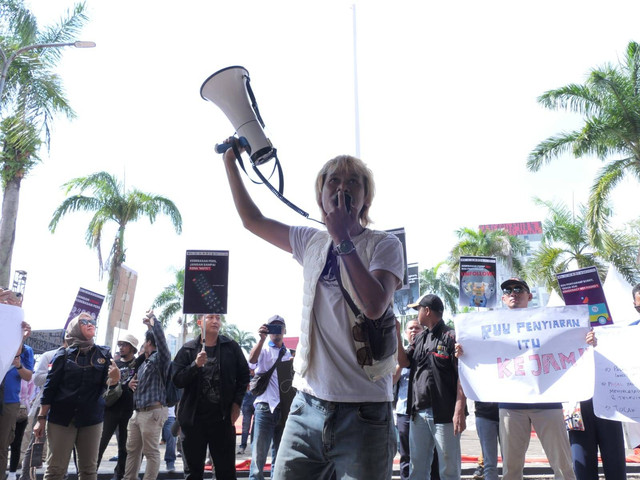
(341, 420)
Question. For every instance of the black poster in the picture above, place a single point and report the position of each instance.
(86, 301)
(477, 282)
(408, 295)
(399, 232)
(206, 277)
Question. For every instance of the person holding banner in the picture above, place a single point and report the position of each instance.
(21, 369)
(438, 404)
(594, 432)
(516, 419)
(341, 422)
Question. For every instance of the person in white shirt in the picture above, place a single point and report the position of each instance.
(268, 421)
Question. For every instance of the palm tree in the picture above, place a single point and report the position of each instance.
(566, 246)
(609, 101)
(491, 243)
(433, 282)
(245, 339)
(171, 300)
(31, 96)
(112, 203)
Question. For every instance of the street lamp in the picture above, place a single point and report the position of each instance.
(6, 63)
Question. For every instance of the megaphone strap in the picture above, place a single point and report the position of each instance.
(277, 192)
(254, 103)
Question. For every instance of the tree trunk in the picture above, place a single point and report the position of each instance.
(10, 199)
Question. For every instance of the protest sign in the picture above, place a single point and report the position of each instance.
(206, 277)
(86, 301)
(525, 355)
(44, 340)
(617, 372)
(122, 300)
(399, 232)
(477, 282)
(409, 294)
(583, 287)
(11, 335)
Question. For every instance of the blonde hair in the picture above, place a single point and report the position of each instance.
(347, 163)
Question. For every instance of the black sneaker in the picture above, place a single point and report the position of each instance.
(479, 473)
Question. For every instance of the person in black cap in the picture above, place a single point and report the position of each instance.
(437, 400)
(268, 425)
(516, 419)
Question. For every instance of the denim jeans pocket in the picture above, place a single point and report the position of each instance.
(297, 406)
(374, 413)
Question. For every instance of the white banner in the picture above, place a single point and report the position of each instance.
(11, 318)
(526, 355)
(617, 363)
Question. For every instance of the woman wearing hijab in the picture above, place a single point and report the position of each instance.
(72, 402)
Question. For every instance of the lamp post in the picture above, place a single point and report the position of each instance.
(6, 62)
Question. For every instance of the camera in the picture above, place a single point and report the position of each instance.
(274, 329)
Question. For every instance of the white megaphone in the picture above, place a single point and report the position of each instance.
(229, 89)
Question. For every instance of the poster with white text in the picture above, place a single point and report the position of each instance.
(526, 355)
(206, 281)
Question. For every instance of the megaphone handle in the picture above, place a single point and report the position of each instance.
(223, 147)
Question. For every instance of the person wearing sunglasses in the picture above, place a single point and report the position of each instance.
(516, 419)
(438, 404)
(341, 421)
(72, 402)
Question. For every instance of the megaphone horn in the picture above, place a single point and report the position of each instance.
(229, 89)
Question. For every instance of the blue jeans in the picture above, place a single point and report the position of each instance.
(266, 428)
(598, 432)
(247, 415)
(170, 441)
(423, 435)
(348, 440)
(488, 434)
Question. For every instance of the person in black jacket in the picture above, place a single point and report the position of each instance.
(214, 375)
(72, 402)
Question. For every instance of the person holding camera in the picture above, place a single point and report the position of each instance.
(268, 423)
(341, 421)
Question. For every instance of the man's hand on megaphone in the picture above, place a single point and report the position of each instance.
(226, 147)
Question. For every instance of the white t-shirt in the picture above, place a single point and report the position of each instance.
(334, 374)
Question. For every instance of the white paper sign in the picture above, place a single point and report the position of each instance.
(11, 321)
(617, 363)
(526, 355)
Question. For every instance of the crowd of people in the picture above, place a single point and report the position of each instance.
(345, 412)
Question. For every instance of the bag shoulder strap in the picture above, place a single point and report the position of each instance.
(269, 372)
(334, 259)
